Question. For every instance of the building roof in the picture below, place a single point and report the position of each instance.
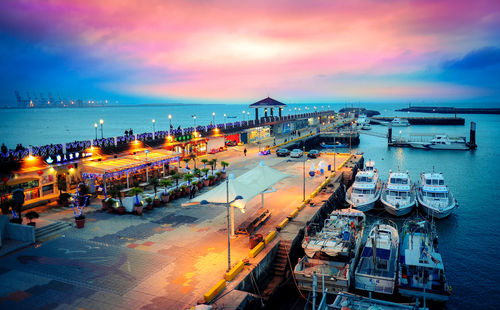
(267, 103)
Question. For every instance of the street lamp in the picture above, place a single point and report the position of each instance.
(243, 118)
(225, 120)
(213, 118)
(194, 119)
(304, 175)
(101, 121)
(95, 126)
(229, 230)
(170, 122)
(153, 121)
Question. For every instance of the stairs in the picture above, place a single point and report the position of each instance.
(280, 262)
(49, 230)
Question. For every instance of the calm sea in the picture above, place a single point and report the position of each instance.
(469, 239)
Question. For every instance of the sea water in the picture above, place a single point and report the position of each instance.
(468, 239)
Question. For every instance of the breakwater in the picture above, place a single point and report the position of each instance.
(424, 120)
(451, 110)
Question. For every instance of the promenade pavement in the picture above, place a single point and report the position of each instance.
(166, 259)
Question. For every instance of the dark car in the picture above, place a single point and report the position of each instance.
(313, 154)
(282, 152)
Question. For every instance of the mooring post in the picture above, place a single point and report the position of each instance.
(389, 134)
(472, 137)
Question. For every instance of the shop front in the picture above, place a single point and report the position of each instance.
(258, 133)
(232, 140)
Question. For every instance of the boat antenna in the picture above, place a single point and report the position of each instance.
(374, 247)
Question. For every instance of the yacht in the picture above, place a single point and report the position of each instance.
(376, 271)
(398, 195)
(332, 252)
(421, 270)
(441, 142)
(366, 126)
(366, 189)
(434, 196)
(400, 122)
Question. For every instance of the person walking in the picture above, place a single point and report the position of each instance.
(245, 151)
(192, 192)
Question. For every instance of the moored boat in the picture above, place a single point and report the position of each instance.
(443, 142)
(398, 195)
(421, 270)
(376, 270)
(400, 122)
(332, 146)
(366, 189)
(434, 196)
(346, 300)
(332, 252)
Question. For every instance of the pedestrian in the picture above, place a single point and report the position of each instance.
(245, 151)
(192, 192)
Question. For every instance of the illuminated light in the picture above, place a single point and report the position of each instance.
(71, 170)
(101, 121)
(51, 170)
(31, 157)
(49, 160)
(136, 141)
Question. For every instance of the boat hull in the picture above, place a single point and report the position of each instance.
(398, 211)
(436, 213)
(453, 146)
(363, 206)
(419, 293)
(374, 284)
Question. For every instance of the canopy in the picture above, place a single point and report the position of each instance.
(248, 185)
(267, 103)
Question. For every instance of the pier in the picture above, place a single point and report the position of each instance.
(384, 120)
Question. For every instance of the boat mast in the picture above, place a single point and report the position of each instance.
(374, 248)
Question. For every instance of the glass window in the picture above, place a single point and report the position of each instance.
(441, 182)
(428, 182)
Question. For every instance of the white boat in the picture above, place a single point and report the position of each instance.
(346, 300)
(400, 122)
(434, 196)
(376, 271)
(332, 252)
(443, 142)
(398, 195)
(366, 189)
(421, 270)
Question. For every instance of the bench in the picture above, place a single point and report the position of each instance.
(253, 223)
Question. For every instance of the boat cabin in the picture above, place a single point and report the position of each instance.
(370, 165)
(399, 178)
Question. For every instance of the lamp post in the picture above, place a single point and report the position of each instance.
(213, 118)
(95, 126)
(304, 175)
(170, 122)
(243, 118)
(225, 121)
(153, 121)
(101, 121)
(229, 232)
(194, 119)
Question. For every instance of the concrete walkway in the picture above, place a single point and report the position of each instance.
(166, 259)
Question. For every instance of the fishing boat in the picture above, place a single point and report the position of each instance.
(398, 195)
(331, 146)
(400, 122)
(421, 270)
(434, 196)
(376, 270)
(366, 189)
(332, 252)
(366, 126)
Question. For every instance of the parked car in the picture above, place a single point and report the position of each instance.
(231, 143)
(296, 153)
(282, 152)
(313, 154)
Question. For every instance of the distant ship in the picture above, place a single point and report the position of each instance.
(34, 101)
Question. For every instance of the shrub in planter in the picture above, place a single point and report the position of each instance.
(224, 164)
(156, 202)
(120, 210)
(165, 196)
(80, 221)
(218, 175)
(31, 215)
(149, 203)
(211, 179)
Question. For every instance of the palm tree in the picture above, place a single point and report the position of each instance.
(224, 164)
(136, 191)
(204, 161)
(154, 182)
(213, 163)
(186, 160)
(165, 183)
(176, 177)
(193, 156)
(188, 177)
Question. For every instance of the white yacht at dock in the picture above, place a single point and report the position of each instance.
(376, 270)
(398, 196)
(400, 122)
(441, 142)
(366, 189)
(434, 196)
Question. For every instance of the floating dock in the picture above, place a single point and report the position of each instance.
(384, 120)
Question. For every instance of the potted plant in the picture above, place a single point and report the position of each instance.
(205, 179)
(109, 204)
(149, 203)
(30, 216)
(211, 179)
(165, 195)
(155, 182)
(218, 176)
(204, 161)
(78, 212)
(135, 191)
(196, 183)
(176, 178)
(188, 177)
(213, 164)
(224, 164)
(183, 191)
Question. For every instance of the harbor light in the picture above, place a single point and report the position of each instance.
(101, 121)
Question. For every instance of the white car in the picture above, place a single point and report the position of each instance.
(296, 153)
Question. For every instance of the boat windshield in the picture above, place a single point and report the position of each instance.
(399, 181)
(363, 191)
(434, 182)
(363, 179)
(435, 195)
(398, 194)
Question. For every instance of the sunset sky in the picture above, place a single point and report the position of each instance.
(236, 51)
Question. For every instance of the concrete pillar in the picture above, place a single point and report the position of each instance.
(128, 182)
(279, 112)
(256, 114)
(265, 112)
(272, 111)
